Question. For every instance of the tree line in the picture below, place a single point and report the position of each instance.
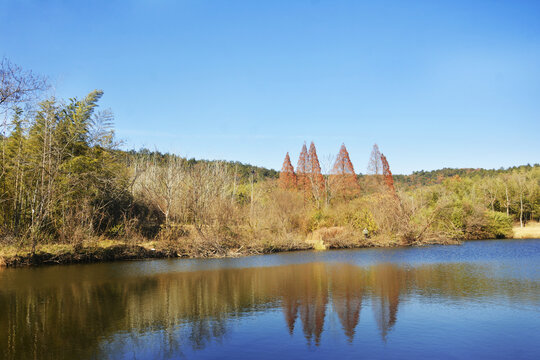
(64, 179)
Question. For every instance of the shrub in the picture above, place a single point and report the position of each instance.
(499, 224)
(318, 219)
(363, 219)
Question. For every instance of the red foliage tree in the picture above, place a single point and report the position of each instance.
(387, 174)
(301, 169)
(314, 171)
(343, 176)
(287, 177)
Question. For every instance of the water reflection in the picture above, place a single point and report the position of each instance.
(95, 318)
(348, 288)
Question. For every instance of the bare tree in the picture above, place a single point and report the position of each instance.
(162, 184)
(18, 85)
(198, 195)
(524, 184)
(375, 179)
(375, 164)
(489, 188)
(209, 187)
(330, 183)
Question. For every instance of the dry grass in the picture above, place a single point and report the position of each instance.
(189, 244)
(93, 250)
(530, 231)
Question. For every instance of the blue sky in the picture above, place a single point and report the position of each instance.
(435, 83)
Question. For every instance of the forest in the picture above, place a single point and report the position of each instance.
(69, 191)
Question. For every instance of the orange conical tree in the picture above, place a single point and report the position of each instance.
(287, 177)
(314, 171)
(302, 169)
(387, 174)
(343, 177)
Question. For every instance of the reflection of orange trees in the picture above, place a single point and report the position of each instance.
(290, 305)
(191, 309)
(313, 300)
(348, 286)
(388, 281)
(290, 291)
(305, 290)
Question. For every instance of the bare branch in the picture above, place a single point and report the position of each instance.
(18, 85)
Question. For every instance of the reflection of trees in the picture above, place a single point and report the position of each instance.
(388, 280)
(313, 284)
(290, 300)
(49, 313)
(304, 290)
(348, 286)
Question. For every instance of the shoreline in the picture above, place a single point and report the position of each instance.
(106, 250)
(119, 251)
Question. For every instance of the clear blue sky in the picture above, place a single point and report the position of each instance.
(434, 83)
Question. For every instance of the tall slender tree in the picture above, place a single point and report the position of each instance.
(302, 169)
(287, 177)
(375, 164)
(343, 178)
(315, 176)
(387, 174)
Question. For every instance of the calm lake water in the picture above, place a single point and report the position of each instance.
(479, 300)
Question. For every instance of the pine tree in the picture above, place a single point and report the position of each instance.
(287, 177)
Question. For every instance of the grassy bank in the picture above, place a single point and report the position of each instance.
(88, 252)
(105, 250)
(529, 231)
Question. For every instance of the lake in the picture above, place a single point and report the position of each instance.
(480, 300)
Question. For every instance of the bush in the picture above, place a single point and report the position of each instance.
(499, 224)
(318, 219)
(363, 219)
